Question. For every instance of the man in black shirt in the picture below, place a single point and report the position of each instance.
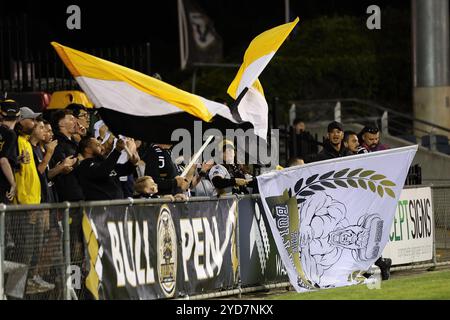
(99, 176)
(332, 147)
(63, 124)
(10, 112)
(159, 166)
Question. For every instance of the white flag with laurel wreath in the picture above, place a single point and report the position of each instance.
(331, 219)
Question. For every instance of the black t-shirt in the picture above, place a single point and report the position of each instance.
(67, 185)
(159, 166)
(8, 149)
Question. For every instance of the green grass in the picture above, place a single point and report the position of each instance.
(433, 285)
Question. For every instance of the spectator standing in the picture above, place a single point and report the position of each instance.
(65, 157)
(228, 178)
(82, 120)
(68, 188)
(159, 166)
(369, 138)
(302, 142)
(370, 141)
(98, 175)
(42, 157)
(351, 144)
(27, 177)
(36, 223)
(201, 185)
(10, 112)
(332, 146)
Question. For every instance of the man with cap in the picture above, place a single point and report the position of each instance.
(227, 176)
(332, 147)
(29, 192)
(369, 139)
(27, 177)
(9, 111)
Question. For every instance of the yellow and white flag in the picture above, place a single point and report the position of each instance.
(128, 92)
(253, 106)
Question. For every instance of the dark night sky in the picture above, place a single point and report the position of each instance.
(108, 23)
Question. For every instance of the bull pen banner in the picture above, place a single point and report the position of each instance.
(411, 237)
(332, 219)
(161, 251)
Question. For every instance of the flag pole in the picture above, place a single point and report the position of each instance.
(181, 31)
(196, 156)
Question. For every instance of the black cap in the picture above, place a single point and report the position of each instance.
(335, 125)
(9, 109)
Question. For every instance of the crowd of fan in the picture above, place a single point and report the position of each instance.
(59, 159)
(338, 143)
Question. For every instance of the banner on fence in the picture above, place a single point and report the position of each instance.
(161, 251)
(259, 259)
(331, 220)
(411, 236)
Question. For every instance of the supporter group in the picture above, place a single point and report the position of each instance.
(71, 155)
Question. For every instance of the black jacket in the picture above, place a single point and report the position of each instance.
(99, 177)
(328, 152)
(67, 185)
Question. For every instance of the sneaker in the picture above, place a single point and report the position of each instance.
(32, 287)
(42, 284)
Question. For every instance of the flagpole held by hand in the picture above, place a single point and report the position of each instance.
(196, 156)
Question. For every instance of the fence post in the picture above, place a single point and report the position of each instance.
(433, 142)
(66, 241)
(434, 229)
(292, 114)
(2, 252)
(337, 112)
(238, 249)
(384, 123)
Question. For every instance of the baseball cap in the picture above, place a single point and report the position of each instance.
(27, 113)
(9, 109)
(335, 125)
(226, 144)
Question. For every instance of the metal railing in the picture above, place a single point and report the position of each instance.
(395, 123)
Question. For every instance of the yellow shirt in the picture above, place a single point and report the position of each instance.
(27, 178)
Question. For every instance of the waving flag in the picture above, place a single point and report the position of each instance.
(137, 105)
(331, 219)
(253, 106)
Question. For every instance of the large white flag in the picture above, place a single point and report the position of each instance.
(331, 219)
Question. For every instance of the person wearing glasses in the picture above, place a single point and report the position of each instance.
(369, 138)
(82, 118)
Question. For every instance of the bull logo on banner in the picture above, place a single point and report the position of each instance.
(167, 252)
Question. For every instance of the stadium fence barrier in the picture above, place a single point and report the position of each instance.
(41, 246)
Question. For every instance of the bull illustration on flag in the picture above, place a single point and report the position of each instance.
(331, 219)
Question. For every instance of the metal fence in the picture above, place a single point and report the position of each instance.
(27, 68)
(40, 244)
(441, 204)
